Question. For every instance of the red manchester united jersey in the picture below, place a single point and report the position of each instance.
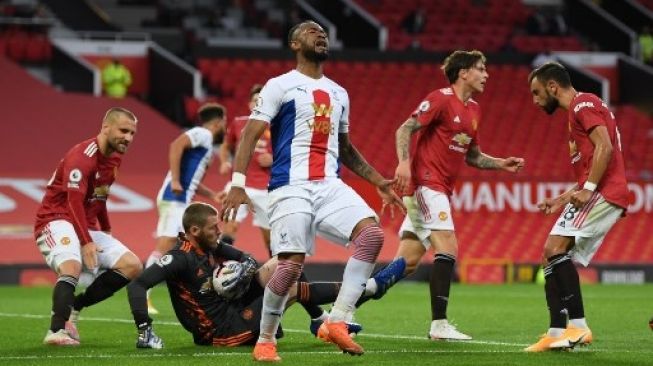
(78, 190)
(257, 176)
(448, 130)
(587, 111)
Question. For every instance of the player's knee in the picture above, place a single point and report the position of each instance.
(411, 265)
(368, 243)
(550, 251)
(129, 265)
(286, 274)
(71, 268)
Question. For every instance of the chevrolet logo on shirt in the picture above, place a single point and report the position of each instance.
(462, 139)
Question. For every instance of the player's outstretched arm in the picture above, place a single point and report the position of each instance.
(237, 196)
(352, 159)
(476, 158)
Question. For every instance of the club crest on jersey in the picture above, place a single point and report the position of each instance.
(443, 216)
(65, 240)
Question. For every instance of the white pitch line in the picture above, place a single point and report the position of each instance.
(156, 354)
(174, 323)
(152, 354)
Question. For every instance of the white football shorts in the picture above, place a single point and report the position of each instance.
(328, 208)
(58, 242)
(588, 226)
(170, 218)
(427, 210)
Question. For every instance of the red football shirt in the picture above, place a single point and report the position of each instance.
(257, 176)
(448, 130)
(587, 111)
(78, 190)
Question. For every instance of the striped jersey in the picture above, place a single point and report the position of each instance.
(305, 115)
(193, 166)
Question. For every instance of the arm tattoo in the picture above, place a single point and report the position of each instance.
(404, 132)
(480, 160)
(352, 158)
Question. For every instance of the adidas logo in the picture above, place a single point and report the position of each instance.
(456, 119)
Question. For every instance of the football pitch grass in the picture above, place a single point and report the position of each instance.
(502, 319)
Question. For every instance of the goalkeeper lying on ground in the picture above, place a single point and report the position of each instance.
(233, 318)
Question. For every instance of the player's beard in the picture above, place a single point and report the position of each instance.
(119, 145)
(207, 242)
(551, 104)
(315, 56)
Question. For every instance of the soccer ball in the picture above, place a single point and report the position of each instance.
(225, 275)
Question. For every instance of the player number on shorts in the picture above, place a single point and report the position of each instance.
(569, 215)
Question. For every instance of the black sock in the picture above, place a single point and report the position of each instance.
(440, 283)
(102, 288)
(317, 293)
(568, 283)
(63, 297)
(305, 292)
(557, 317)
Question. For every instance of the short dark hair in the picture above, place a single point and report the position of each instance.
(210, 111)
(111, 114)
(256, 89)
(551, 71)
(196, 214)
(460, 60)
(292, 34)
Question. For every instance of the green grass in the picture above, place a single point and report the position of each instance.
(502, 320)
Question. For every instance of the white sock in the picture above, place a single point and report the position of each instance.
(579, 323)
(370, 287)
(353, 284)
(555, 332)
(273, 306)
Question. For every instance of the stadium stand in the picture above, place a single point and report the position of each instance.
(383, 92)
